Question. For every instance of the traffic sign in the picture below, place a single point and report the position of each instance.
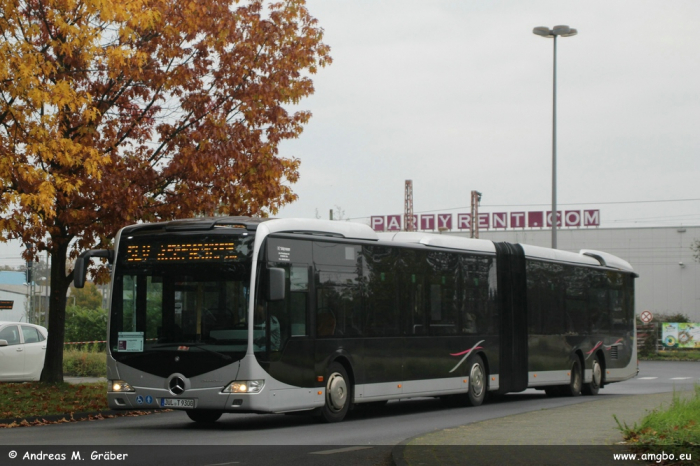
(646, 317)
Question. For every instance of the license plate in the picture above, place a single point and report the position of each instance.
(177, 403)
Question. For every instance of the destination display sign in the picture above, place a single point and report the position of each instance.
(6, 305)
(488, 221)
(182, 252)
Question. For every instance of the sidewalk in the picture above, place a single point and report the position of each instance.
(584, 424)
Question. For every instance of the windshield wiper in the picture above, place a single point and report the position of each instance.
(193, 345)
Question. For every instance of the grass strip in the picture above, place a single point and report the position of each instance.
(672, 355)
(677, 425)
(19, 400)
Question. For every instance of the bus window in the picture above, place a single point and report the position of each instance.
(599, 308)
(381, 291)
(287, 316)
(298, 296)
(142, 304)
(442, 287)
(413, 298)
(411, 286)
(338, 304)
(478, 294)
(545, 298)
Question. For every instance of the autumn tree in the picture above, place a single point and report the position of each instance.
(119, 111)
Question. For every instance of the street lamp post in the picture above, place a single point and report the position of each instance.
(563, 31)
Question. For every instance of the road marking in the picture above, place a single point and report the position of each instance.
(646, 378)
(681, 378)
(339, 450)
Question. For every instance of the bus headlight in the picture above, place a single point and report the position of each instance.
(120, 386)
(244, 386)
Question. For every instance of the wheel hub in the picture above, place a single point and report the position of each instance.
(337, 391)
(597, 374)
(476, 380)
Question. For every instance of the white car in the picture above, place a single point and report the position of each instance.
(22, 351)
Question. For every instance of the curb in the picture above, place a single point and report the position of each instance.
(397, 456)
(397, 452)
(71, 417)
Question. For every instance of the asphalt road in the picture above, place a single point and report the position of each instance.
(365, 437)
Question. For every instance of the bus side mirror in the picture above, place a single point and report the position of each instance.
(276, 284)
(80, 270)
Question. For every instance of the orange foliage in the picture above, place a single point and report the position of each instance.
(118, 111)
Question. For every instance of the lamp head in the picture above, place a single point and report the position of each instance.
(563, 31)
(543, 31)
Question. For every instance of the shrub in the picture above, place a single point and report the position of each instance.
(85, 324)
(672, 318)
(84, 363)
(649, 346)
(677, 317)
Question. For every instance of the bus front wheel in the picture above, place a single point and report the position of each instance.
(338, 394)
(204, 416)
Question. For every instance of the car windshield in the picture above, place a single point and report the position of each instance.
(179, 294)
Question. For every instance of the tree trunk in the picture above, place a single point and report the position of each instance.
(53, 364)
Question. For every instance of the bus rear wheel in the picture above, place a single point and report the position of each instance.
(338, 394)
(576, 381)
(477, 387)
(204, 416)
(593, 387)
(477, 382)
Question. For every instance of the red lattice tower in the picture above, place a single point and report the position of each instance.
(408, 208)
(474, 227)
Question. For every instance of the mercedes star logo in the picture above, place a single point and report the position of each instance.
(177, 386)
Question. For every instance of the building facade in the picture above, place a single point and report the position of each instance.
(14, 299)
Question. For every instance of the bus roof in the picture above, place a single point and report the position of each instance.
(583, 257)
(351, 230)
(440, 241)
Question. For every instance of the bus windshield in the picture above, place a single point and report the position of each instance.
(174, 294)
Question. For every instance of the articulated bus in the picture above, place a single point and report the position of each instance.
(248, 315)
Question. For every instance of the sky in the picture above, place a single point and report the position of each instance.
(457, 96)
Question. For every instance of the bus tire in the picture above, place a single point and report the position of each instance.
(203, 416)
(338, 394)
(576, 381)
(477, 382)
(593, 387)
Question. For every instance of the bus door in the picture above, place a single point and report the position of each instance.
(512, 289)
(288, 348)
(339, 323)
(384, 342)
